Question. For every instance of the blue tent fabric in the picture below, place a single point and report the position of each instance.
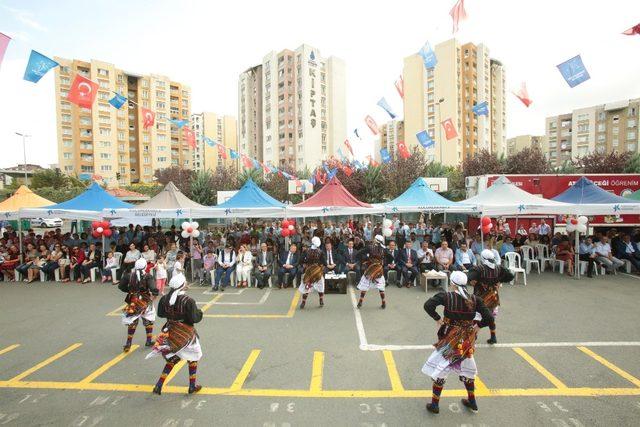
(93, 198)
(251, 196)
(584, 191)
(420, 194)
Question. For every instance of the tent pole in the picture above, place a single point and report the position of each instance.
(576, 254)
(20, 238)
(191, 254)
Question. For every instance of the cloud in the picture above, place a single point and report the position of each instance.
(26, 17)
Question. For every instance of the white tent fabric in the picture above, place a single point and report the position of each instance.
(505, 198)
(303, 212)
(261, 212)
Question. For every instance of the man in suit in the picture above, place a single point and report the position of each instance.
(332, 261)
(391, 262)
(263, 266)
(350, 257)
(288, 263)
(408, 262)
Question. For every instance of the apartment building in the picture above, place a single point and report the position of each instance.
(219, 128)
(520, 142)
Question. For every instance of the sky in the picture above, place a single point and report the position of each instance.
(208, 44)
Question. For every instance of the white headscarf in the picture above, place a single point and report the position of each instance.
(176, 284)
(315, 242)
(488, 258)
(379, 239)
(459, 279)
(139, 266)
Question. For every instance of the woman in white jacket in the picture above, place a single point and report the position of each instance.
(244, 265)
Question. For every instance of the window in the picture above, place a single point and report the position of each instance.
(68, 168)
(631, 135)
(66, 118)
(103, 72)
(104, 84)
(67, 143)
(105, 168)
(631, 123)
(85, 168)
(67, 131)
(161, 105)
(160, 94)
(602, 127)
(105, 131)
(67, 156)
(121, 136)
(162, 159)
(105, 156)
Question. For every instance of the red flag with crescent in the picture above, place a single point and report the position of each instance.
(347, 170)
(221, 151)
(458, 14)
(348, 144)
(190, 136)
(372, 161)
(83, 91)
(372, 124)
(450, 131)
(148, 117)
(400, 87)
(523, 95)
(402, 150)
(632, 31)
(265, 168)
(246, 161)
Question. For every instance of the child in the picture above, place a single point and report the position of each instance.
(161, 274)
(109, 263)
(178, 266)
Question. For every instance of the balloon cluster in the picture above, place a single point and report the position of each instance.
(288, 227)
(101, 228)
(486, 224)
(387, 227)
(190, 229)
(578, 224)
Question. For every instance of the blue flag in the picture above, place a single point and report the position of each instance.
(118, 101)
(357, 164)
(38, 66)
(256, 164)
(273, 169)
(286, 175)
(179, 123)
(312, 180)
(428, 56)
(481, 109)
(341, 155)
(386, 157)
(210, 142)
(425, 139)
(574, 71)
(332, 173)
(386, 107)
(233, 154)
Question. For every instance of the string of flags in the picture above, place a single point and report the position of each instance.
(458, 13)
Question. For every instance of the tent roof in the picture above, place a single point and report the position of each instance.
(584, 191)
(93, 198)
(169, 198)
(634, 196)
(23, 198)
(420, 194)
(250, 196)
(333, 194)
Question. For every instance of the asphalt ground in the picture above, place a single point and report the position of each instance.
(568, 355)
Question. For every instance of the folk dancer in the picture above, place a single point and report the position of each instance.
(178, 339)
(140, 288)
(373, 276)
(313, 277)
(486, 278)
(456, 339)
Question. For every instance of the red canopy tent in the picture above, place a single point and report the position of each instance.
(332, 194)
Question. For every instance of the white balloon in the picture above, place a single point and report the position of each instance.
(99, 230)
(291, 227)
(386, 232)
(195, 233)
(583, 219)
(185, 225)
(185, 234)
(582, 228)
(570, 228)
(386, 223)
(195, 225)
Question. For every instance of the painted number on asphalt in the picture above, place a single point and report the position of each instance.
(7, 418)
(103, 400)
(32, 398)
(171, 422)
(87, 421)
(197, 406)
(366, 408)
(289, 407)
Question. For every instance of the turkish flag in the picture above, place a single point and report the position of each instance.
(372, 124)
(633, 30)
(246, 161)
(222, 152)
(450, 131)
(523, 95)
(148, 117)
(400, 87)
(83, 91)
(402, 150)
(372, 161)
(265, 168)
(347, 170)
(458, 14)
(348, 144)
(190, 136)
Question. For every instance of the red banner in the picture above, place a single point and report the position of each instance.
(190, 136)
(450, 131)
(148, 117)
(221, 151)
(83, 92)
(402, 150)
(372, 124)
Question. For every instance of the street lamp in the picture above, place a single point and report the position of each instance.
(24, 153)
(440, 101)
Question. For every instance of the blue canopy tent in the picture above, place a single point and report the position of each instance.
(419, 197)
(249, 202)
(593, 200)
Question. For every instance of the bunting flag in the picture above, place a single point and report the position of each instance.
(384, 154)
(189, 136)
(402, 150)
(481, 109)
(210, 142)
(458, 14)
(347, 170)
(246, 162)
(630, 32)
(425, 139)
(117, 101)
(574, 71)
(382, 103)
(312, 179)
(400, 87)
(222, 152)
(523, 95)
(256, 164)
(373, 126)
(83, 91)
(358, 165)
(287, 175)
(273, 169)
(356, 132)
(372, 162)
(428, 56)
(265, 168)
(4, 42)
(450, 131)
(342, 156)
(179, 123)
(348, 144)
(233, 154)
(38, 66)
(148, 117)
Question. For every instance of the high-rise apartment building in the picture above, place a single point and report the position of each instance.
(218, 128)
(112, 143)
(520, 142)
(292, 108)
(601, 128)
(390, 133)
(465, 75)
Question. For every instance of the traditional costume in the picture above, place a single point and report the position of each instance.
(140, 288)
(178, 339)
(313, 277)
(373, 276)
(456, 339)
(486, 279)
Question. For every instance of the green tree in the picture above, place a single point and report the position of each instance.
(373, 183)
(179, 176)
(146, 189)
(633, 164)
(201, 189)
(596, 162)
(400, 173)
(54, 178)
(530, 160)
(59, 195)
(255, 174)
(482, 163)
(567, 167)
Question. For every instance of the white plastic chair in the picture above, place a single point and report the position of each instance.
(543, 256)
(514, 265)
(529, 259)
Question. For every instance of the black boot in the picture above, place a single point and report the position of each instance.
(471, 405)
(434, 409)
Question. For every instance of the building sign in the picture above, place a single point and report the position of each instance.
(312, 89)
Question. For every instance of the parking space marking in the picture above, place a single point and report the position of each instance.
(317, 370)
(117, 311)
(175, 370)
(8, 349)
(624, 374)
(262, 300)
(289, 314)
(208, 305)
(102, 369)
(45, 362)
(538, 367)
(394, 377)
(242, 376)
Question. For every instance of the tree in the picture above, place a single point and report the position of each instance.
(255, 174)
(201, 189)
(54, 178)
(373, 191)
(277, 186)
(482, 163)
(400, 173)
(530, 160)
(596, 162)
(179, 176)
(633, 164)
(146, 189)
(61, 194)
(224, 178)
(568, 167)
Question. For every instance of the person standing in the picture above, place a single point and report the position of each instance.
(373, 276)
(140, 289)
(313, 277)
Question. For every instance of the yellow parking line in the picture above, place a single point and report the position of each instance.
(117, 311)
(481, 387)
(294, 304)
(45, 362)
(102, 369)
(175, 371)
(538, 367)
(394, 377)
(208, 305)
(317, 369)
(624, 374)
(244, 372)
(8, 349)
(290, 313)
